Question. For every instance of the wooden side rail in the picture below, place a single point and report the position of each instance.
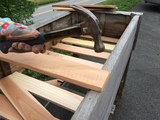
(7, 110)
(82, 75)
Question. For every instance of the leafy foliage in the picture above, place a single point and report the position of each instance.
(18, 10)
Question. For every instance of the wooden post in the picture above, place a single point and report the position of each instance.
(4, 69)
(123, 81)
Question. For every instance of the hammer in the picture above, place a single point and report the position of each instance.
(91, 26)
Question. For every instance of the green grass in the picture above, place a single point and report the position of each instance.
(36, 75)
(123, 5)
(63, 52)
(43, 2)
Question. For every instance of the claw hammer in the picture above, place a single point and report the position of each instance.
(91, 26)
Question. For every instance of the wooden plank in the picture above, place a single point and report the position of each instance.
(92, 107)
(81, 51)
(74, 59)
(88, 6)
(27, 106)
(63, 98)
(86, 43)
(104, 38)
(70, 9)
(7, 110)
(85, 76)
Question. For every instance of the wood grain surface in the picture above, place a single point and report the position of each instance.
(7, 110)
(27, 106)
(85, 76)
(49, 92)
(82, 51)
(86, 43)
(88, 6)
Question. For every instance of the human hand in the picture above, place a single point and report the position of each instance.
(10, 30)
(21, 47)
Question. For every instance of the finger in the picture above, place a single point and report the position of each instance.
(13, 50)
(38, 48)
(15, 45)
(24, 47)
(20, 47)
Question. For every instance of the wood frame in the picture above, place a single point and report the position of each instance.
(94, 101)
(95, 105)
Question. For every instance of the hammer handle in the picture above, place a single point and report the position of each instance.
(43, 37)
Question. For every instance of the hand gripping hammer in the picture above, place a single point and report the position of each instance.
(91, 26)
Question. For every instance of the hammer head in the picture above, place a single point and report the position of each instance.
(91, 26)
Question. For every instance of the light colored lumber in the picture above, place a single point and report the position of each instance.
(7, 110)
(74, 59)
(49, 92)
(55, 82)
(82, 51)
(27, 106)
(86, 43)
(70, 9)
(88, 6)
(85, 76)
(103, 38)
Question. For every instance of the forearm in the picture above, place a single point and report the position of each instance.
(16, 31)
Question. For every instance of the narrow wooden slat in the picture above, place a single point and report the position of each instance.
(77, 60)
(7, 110)
(88, 6)
(52, 93)
(86, 43)
(82, 51)
(103, 38)
(27, 106)
(85, 76)
(70, 9)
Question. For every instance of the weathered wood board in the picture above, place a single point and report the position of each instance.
(92, 107)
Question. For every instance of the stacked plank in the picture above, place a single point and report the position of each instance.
(18, 103)
(65, 7)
